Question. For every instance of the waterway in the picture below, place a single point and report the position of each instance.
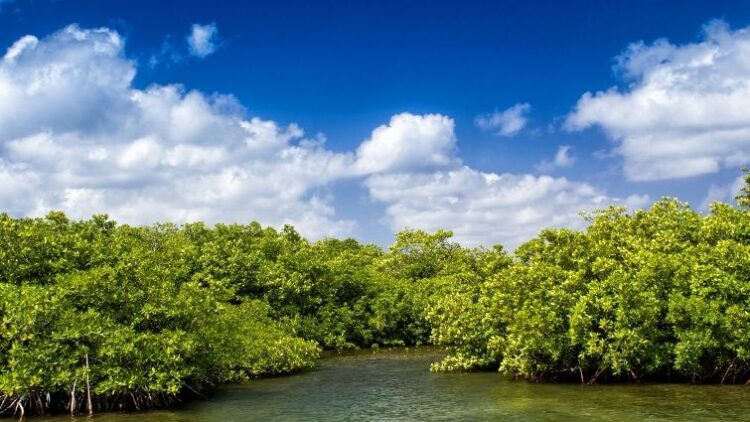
(397, 385)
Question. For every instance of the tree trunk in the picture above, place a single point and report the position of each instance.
(73, 405)
(596, 376)
(729, 368)
(89, 407)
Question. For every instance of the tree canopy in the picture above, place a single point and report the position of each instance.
(95, 315)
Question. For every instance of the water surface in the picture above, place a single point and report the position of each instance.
(397, 386)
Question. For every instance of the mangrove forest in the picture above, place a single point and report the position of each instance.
(97, 316)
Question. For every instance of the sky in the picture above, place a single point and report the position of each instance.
(361, 118)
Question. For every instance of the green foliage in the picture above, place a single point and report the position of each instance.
(140, 317)
(426, 271)
(132, 301)
(166, 310)
(656, 293)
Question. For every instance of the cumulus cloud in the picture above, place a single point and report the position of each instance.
(408, 142)
(202, 40)
(481, 208)
(562, 159)
(486, 208)
(686, 110)
(76, 135)
(506, 122)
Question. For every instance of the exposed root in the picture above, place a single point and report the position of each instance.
(44, 402)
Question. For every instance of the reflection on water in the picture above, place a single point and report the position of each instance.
(397, 385)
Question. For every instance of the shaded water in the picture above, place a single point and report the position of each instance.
(397, 385)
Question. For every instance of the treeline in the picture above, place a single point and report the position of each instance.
(95, 316)
(99, 316)
(662, 293)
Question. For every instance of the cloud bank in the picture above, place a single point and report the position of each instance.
(484, 208)
(77, 136)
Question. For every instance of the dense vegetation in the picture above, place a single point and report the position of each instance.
(659, 293)
(96, 315)
(126, 315)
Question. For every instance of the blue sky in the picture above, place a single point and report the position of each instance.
(435, 76)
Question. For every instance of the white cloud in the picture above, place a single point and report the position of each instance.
(408, 142)
(723, 193)
(61, 83)
(17, 187)
(562, 159)
(686, 111)
(76, 135)
(411, 166)
(202, 40)
(28, 41)
(504, 123)
(486, 208)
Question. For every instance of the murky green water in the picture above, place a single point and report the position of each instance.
(391, 386)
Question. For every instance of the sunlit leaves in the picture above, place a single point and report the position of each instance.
(658, 292)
